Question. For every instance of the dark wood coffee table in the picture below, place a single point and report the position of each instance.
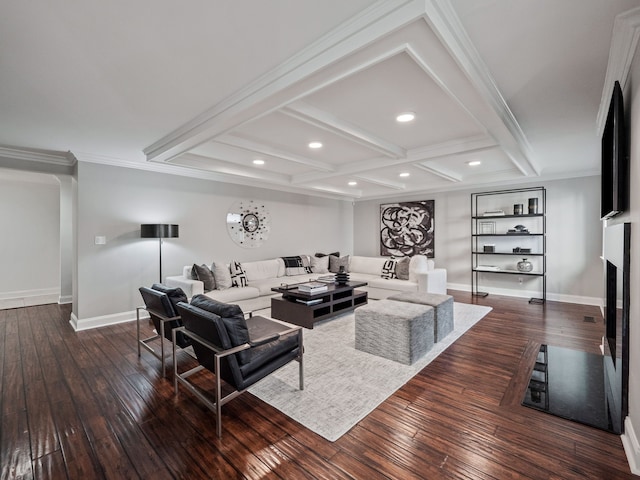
(336, 299)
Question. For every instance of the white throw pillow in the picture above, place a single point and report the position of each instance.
(389, 269)
(261, 270)
(297, 265)
(320, 265)
(222, 275)
(368, 265)
(238, 278)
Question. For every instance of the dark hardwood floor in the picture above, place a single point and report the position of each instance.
(83, 405)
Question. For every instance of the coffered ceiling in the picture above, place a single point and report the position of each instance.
(513, 84)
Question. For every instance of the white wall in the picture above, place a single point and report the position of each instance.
(114, 201)
(574, 240)
(30, 241)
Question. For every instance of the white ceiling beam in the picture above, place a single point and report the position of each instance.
(233, 168)
(383, 183)
(326, 121)
(443, 20)
(375, 22)
(440, 172)
(351, 192)
(236, 141)
(433, 151)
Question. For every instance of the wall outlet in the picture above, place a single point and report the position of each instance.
(520, 280)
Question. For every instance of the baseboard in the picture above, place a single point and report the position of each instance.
(29, 298)
(631, 446)
(64, 299)
(103, 320)
(554, 297)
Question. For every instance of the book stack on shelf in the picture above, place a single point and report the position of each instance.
(314, 301)
(313, 287)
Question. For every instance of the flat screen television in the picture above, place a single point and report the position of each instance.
(615, 164)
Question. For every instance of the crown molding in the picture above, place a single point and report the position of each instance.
(624, 42)
(51, 157)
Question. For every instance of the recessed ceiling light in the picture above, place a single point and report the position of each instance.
(405, 117)
(352, 183)
(258, 161)
(315, 144)
(474, 163)
(404, 174)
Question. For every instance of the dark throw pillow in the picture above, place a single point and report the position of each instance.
(320, 255)
(205, 275)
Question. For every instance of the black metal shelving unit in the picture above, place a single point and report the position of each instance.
(537, 219)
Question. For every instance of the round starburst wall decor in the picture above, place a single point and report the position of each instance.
(248, 223)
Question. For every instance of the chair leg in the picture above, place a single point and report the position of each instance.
(301, 360)
(164, 372)
(218, 397)
(138, 329)
(175, 363)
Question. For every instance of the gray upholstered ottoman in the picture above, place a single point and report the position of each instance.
(443, 305)
(402, 332)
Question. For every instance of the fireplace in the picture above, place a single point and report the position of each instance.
(615, 343)
(586, 387)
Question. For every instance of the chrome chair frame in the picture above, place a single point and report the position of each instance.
(219, 354)
(144, 342)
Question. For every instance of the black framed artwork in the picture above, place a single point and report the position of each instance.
(407, 229)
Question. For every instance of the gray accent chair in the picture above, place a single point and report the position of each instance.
(238, 351)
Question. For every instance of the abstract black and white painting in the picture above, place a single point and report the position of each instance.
(407, 228)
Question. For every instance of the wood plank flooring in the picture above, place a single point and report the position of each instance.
(83, 405)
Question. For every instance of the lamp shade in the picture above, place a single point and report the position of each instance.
(158, 230)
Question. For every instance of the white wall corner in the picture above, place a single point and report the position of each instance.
(631, 446)
(103, 320)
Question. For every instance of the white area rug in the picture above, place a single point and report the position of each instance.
(342, 384)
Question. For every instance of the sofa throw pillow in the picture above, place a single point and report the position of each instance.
(336, 262)
(389, 269)
(320, 255)
(202, 273)
(320, 264)
(298, 265)
(238, 277)
(222, 275)
(402, 268)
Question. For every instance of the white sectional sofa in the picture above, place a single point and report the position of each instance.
(263, 275)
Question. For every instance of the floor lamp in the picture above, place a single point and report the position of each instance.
(159, 231)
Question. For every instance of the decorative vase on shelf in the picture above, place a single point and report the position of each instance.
(525, 265)
(533, 206)
(342, 277)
